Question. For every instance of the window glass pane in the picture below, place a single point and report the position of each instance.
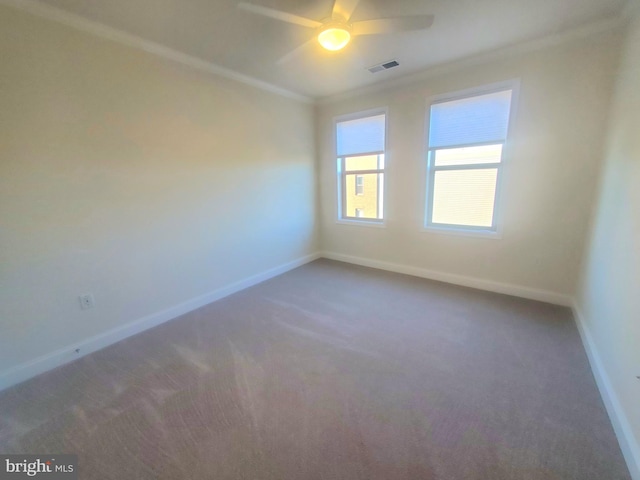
(363, 135)
(369, 203)
(468, 155)
(359, 186)
(366, 162)
(478, 119)
(464, 197)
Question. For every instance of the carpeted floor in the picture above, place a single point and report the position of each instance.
(330, 372)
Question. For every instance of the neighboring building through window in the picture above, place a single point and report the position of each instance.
(467, 135)
(360, 147)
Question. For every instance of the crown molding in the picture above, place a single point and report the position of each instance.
(109, 33)
(482, 58)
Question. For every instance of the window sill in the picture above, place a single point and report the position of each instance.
(361, 223)
(462, 232)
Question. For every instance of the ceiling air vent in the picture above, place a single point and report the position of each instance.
(383, 66)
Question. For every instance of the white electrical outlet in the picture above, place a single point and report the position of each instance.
(87, 301)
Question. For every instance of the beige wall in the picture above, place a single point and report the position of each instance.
(549, 180)
(609, 293)
(137, 179)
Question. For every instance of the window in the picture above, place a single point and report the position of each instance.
(360, 145)
(467, 134)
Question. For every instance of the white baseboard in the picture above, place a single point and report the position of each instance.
(621, 426)
(25, 371)
(508, 289)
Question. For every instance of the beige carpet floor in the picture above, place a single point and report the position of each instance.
(330, 371)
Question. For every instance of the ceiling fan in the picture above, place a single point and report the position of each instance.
(335, 31)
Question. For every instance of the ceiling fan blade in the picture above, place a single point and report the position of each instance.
(344, 8)
(391, 25)
(278, 15)
(295, 52)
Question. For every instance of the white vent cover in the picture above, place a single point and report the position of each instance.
(383, 66)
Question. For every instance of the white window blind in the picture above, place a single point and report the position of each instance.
(473, 120)
(363, 135)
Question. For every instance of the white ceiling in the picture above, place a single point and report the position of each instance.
(218, 32)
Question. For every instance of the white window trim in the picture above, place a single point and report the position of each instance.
(462, 230)
(339, 194)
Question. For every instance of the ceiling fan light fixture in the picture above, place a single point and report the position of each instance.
(334, 37)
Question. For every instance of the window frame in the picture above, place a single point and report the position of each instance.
(495, 230)
(341, 173)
